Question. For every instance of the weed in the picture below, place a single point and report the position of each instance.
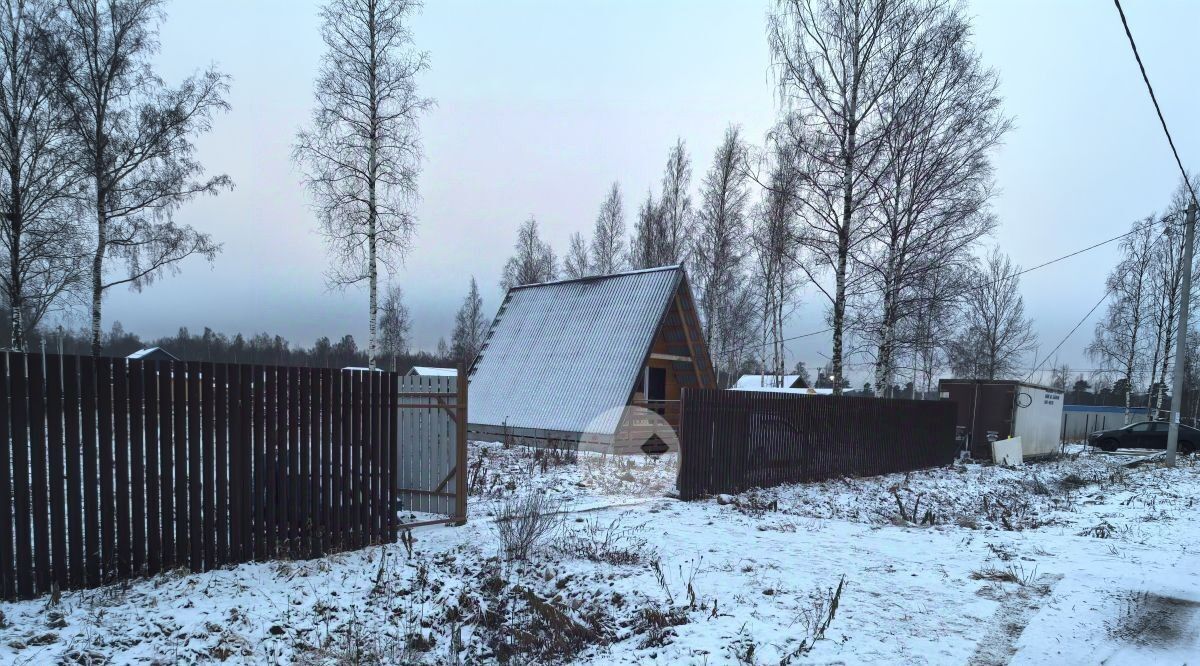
(611, 543)
(1013, 573)
(523, 520)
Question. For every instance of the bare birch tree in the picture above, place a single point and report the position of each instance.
(836, 62)
(533, 262)
(775, 270)
(675, 206)
(608, 238)
(1166, 287)
(644, 246)
(996, 333)
(470, 327)
(43, 246)
(394, 325)
(133, 140)
(1120, 337)
(933, 192)
(362, 153)
(577, 263)
(719, 252)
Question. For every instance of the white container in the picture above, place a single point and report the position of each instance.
(991, 410)
(1038, 420)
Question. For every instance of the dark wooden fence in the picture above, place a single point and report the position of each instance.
(734, 440)
(112, 469)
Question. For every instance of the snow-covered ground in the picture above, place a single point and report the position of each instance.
(1081, 560)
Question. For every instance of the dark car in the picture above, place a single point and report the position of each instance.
(1144, 435)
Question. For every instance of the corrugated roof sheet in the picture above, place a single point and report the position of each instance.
(564, 355)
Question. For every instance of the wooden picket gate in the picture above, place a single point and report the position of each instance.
(112, 469)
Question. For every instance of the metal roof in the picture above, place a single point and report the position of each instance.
(428, 371)
(564, 356)
(153, 353)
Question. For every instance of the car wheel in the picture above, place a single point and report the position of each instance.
(1108, 445)
(1187, 447)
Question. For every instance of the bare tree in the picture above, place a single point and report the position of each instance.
(996, 333)
(836, 62)
(470, 328)
(932, 325)
(42, 243)
(394, 325)
(1166, 288)
(132, 138)
(933, 193)
(775, 274)
(362, 154)
(645, 245)
(534, 261)
(676, 206)
(608, 244)
(719, 251)
(577, 263)
(1120, 337)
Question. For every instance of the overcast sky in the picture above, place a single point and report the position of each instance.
(541, 105)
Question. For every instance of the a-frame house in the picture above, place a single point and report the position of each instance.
(563, 360)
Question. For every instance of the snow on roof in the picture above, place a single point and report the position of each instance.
(359, 367)
(794, 391)
(151, 352)
(561, 354)
(757, 381)
(427, 371)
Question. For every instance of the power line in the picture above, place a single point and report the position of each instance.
(1068, 335)
(1154, 98)
(1136, 229)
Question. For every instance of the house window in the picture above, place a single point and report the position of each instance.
(656, 384)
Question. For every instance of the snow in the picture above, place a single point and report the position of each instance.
(426, 371)
(1078, 560)
(777, 389)
(765, 381)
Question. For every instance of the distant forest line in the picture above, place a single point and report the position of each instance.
(212, 346)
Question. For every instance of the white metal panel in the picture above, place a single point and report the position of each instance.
(1038, 420)
(561, 354)
(1008, 451)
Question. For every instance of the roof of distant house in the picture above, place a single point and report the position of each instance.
(152, 353)
(760, 381)
(429, 371)
(793, 391)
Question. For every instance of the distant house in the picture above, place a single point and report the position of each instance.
(152, 354)
(807, 390)
(563, 360)
(427, 371)
(750, 382)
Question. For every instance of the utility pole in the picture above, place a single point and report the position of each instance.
(1189, 237)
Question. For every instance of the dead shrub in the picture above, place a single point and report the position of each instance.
(1104, 530)
(816, 618)
(547, 630)
(654, 623)
(1013, 573)
(523, 520)
(611, 543)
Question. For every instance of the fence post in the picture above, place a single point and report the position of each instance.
(462, 467)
